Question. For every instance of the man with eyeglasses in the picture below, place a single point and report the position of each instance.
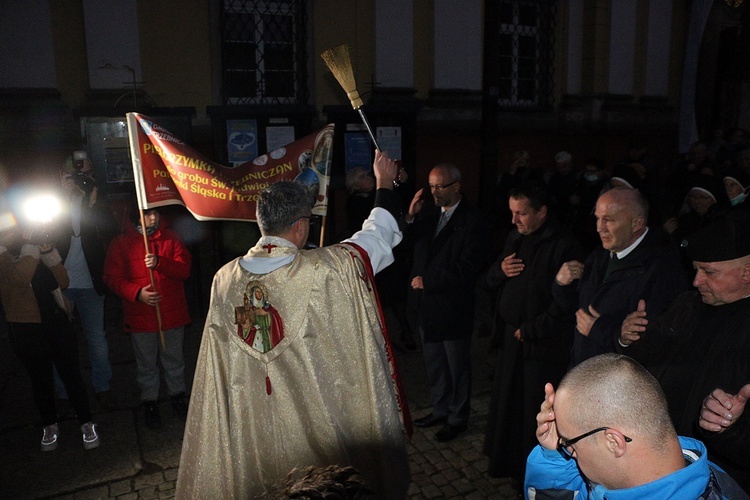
(449, 245)
(326, 392)
(606, 433)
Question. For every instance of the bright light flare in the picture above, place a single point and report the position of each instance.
(7, 221)
(42, 208)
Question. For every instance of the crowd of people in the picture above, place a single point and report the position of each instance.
(664, 283)
(626, 288)
(69, 263)
(593, 256)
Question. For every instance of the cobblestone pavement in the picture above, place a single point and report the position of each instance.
(134, 462)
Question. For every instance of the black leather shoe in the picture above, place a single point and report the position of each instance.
(429, 421)
(153, 419)
(180, 405)
(449, 432)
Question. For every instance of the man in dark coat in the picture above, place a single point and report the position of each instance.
(699, 350)
(450, 252)
(82, 242)
(533, 330)
(634, 263)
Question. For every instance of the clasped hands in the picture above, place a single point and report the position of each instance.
(721, 410)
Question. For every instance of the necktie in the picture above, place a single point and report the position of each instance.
(442, 222)
(611, 265)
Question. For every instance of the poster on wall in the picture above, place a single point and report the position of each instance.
(118, 164)
(357, 151)
(277, 137)
(358, 148)
(242, 141)
(389, 139)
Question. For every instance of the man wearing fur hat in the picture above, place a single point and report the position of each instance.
(699, 348)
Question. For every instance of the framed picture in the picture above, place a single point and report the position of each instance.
(118, 166)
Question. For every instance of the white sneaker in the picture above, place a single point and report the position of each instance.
(49, 438)
(90, 437)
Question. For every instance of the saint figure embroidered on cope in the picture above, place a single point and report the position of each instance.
(258, 322)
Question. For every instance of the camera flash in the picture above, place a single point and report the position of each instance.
(41, 208)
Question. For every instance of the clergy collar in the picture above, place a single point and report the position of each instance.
(624, 253)
(276, 241)
(269, 254)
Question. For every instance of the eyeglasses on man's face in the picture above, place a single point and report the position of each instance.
(440, 187)
(565, 446)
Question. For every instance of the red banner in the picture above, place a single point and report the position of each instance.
(168, 172)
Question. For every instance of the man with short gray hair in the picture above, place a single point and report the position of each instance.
(606, 433)
(449, 247)
(635, 262)
(698, 349)
(324, 390)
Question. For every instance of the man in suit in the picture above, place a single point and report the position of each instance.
(449, 254)
(634, 262)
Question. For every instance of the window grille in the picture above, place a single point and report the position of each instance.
(264, 58)
(526, 54)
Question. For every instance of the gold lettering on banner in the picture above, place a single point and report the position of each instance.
(258, 186)
(235, 196)
(265, 174)
(202, 180)
(208, 193)
(174, 159)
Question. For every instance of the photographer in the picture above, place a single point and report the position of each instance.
(39, 330)
(83, 243)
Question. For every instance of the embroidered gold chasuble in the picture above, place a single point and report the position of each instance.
(332, 398)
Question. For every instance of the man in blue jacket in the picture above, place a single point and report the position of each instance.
(606, 433)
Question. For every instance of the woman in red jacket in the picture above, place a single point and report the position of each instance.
(127, 272)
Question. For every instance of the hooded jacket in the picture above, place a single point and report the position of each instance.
(549, 475)
(126, 274)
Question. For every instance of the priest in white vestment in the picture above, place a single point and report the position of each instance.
(327, 393)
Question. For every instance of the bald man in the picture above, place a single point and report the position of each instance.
(634, 262)
(606, 433)
(449, 243)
